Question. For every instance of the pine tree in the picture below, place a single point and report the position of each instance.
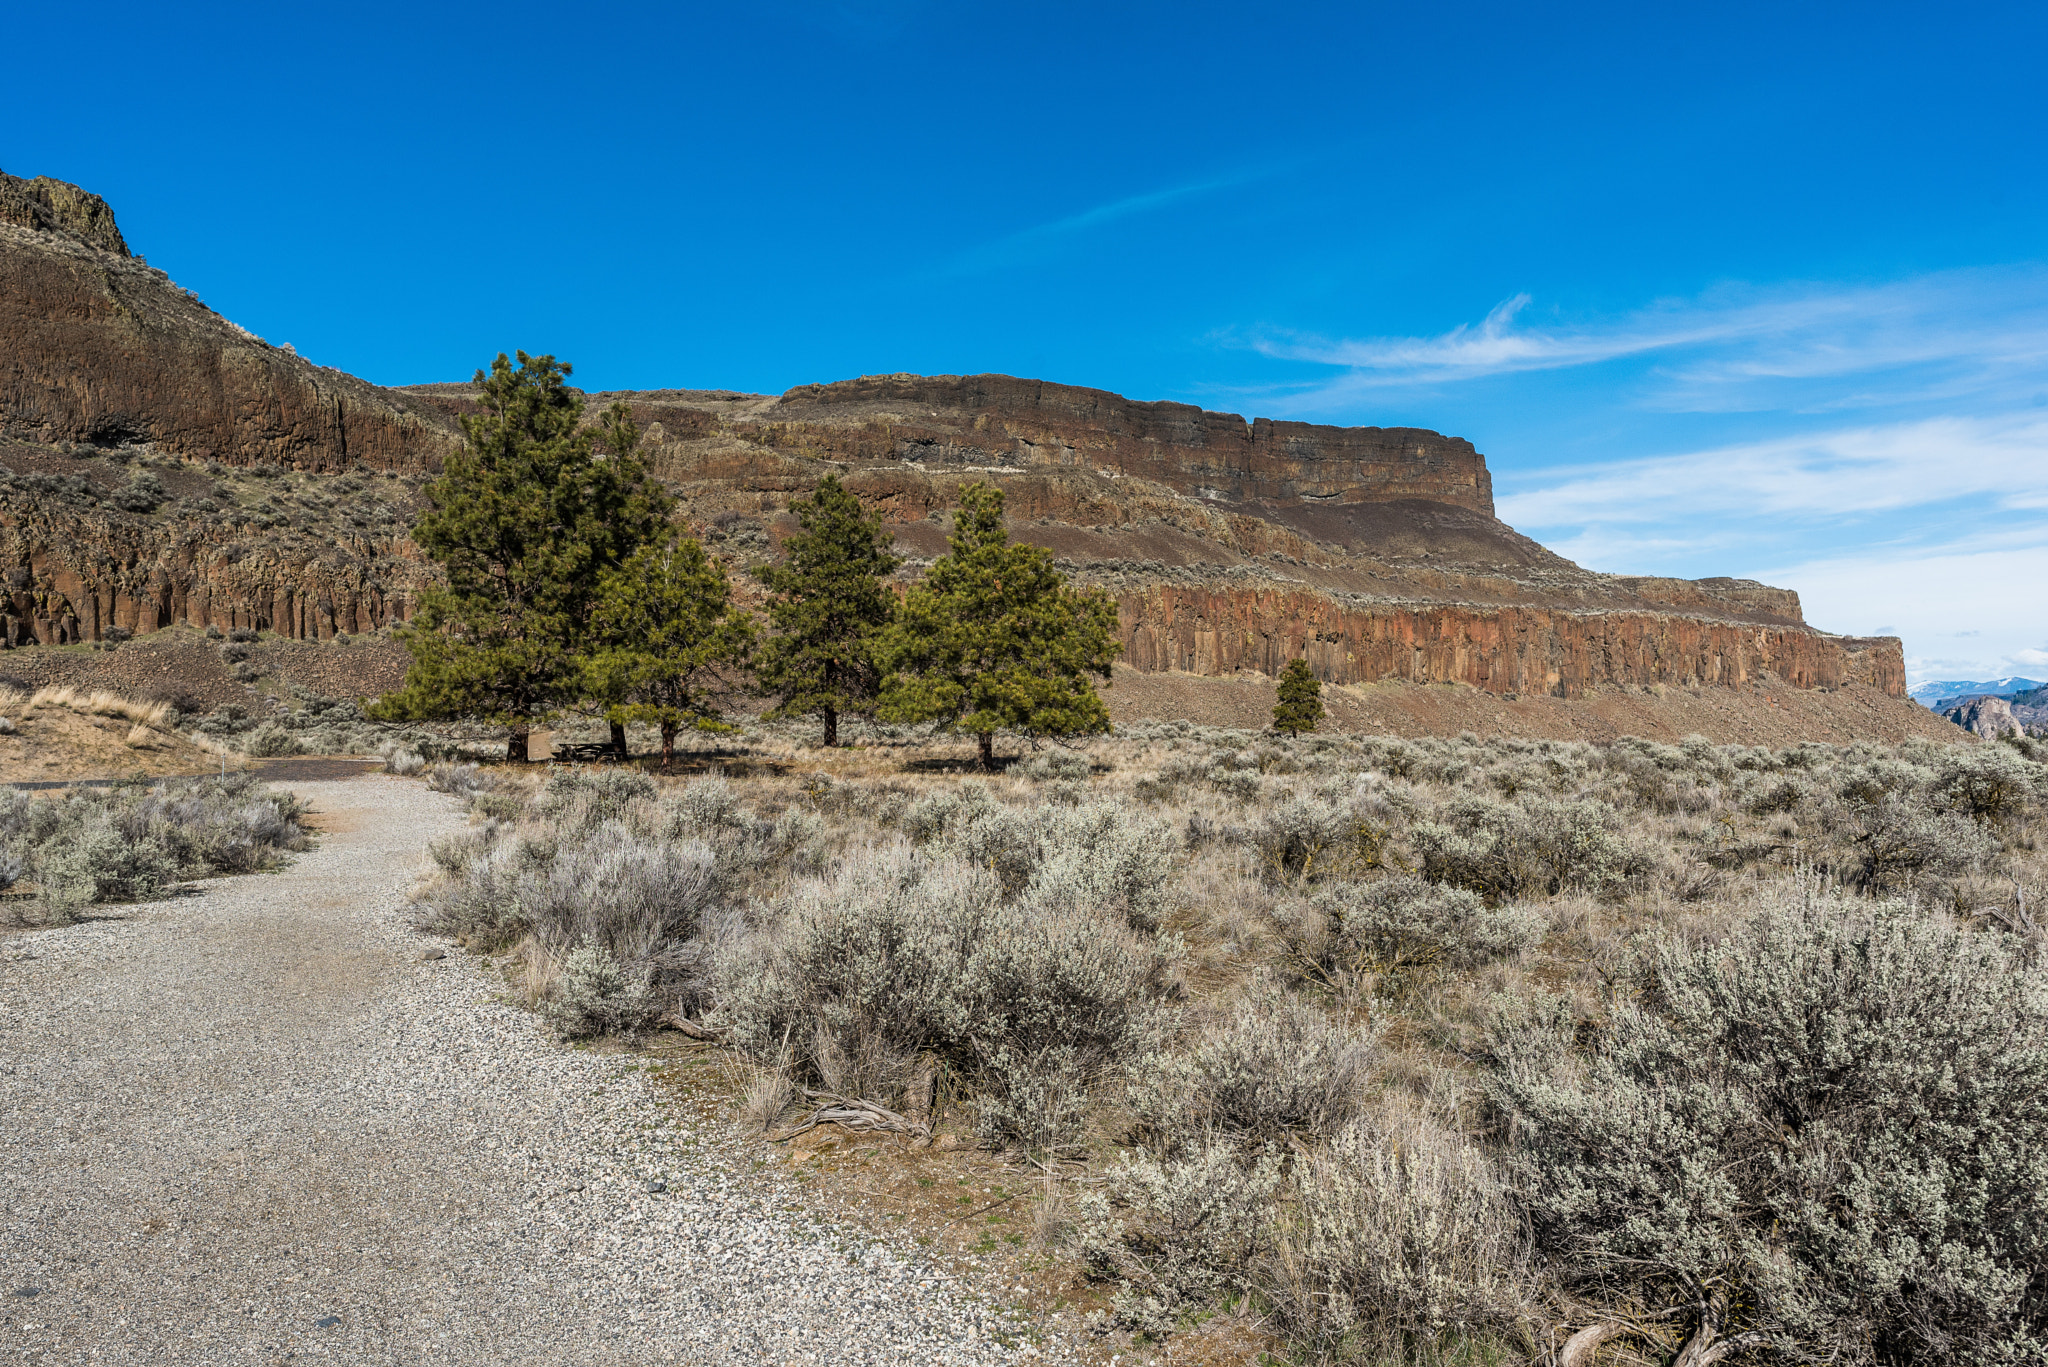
(524, 522)
(1301, 699)
(830, 603)
(995, 639)
(671, 640)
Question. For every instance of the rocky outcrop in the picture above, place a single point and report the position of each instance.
(1002, 420)
(1229, 546)
(1511, 650)
(1986, 716)
(43, 205)
(98, 347)
(82, 558)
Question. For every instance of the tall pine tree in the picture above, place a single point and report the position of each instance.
(524, 521)
(671, 640)
(830, 604)
(995, 639)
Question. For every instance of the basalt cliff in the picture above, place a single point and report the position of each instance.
(165, 467)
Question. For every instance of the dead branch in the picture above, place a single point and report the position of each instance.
(677, 1021)
(861, 1116)
(1579, 1348)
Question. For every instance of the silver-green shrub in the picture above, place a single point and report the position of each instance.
(1275, 1066)
(1402, 1239)
(1535, 846)
(1404, 925)
(1988, 782)
(133, 842)
(894, 956)
(1899, 842)
(1056, 764)
(1180, 1231)
(1836, 1120)
(595, 994)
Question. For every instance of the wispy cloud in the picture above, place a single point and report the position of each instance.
(1034, 241)
(1801, 347)
(2000, 460)
(1956, 608)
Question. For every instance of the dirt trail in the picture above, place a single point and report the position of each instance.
(251, 1125)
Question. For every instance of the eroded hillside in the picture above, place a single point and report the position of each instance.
(165, 467)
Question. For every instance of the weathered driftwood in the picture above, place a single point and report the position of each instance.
(1579, 1348)
(677, 1021)
(852, 1114)
(1705, 1348)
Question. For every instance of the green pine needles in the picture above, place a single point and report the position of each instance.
(995, 639)
(569, 589)
(525, 521)
(830, 605)
(670, 643)
(1301, 699)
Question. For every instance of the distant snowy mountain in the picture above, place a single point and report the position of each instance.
(1941, 690)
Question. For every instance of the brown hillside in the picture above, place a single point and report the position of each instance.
(165, 468)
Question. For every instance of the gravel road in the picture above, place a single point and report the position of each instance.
(251, 1125)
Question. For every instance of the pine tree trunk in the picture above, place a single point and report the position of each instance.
(515, 745)
(831, 728)
(668, 742)
(619, 740)
(988, 750)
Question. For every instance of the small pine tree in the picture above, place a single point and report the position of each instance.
(994, 638)
(525, 520)
(1301, 699)
(830, 604)
(671, 639)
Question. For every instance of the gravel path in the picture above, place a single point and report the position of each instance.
(252, 1126)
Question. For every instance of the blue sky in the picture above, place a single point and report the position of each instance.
(1751, 290)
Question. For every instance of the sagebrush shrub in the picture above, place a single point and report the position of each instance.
(1838, 1118)
(1403, 1238)
(1897, 842)
(1179, 1231)
(1402, 925)
(1056, 764)
(1988, 782)
(1531, 847)
(1275, 1066)
(1305, 839)
(594, 994)
(271, 742)
(133, 843)
(895, 956)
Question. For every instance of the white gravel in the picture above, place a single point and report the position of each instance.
(249, 1125)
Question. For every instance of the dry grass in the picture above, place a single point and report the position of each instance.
(1721, 851)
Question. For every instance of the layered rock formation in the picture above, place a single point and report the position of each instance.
(97, 346)
(1234, 546)
(167, 467)
(92, 546)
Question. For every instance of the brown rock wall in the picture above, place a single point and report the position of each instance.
(70, 576)
(1534, 650)
(96, 346)
(1004, 419)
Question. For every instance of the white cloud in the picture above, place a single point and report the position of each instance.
(1989, 598)
(1808, 347)
(1828, 475)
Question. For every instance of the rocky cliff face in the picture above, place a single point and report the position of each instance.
(1988, 717)
(1403, 573)
(163, 467)
(99, 543)
(98, 347)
